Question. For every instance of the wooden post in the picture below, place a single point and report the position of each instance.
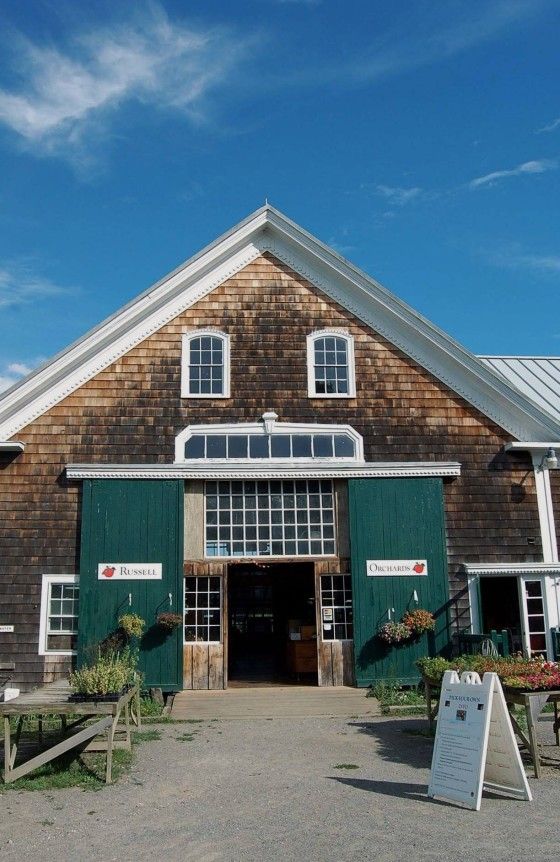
(532, 732)
(7, 748)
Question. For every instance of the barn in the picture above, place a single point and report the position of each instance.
(270, 444)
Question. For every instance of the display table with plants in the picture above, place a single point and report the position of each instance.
(529, 683)
(105, 716)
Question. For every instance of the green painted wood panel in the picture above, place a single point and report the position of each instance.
(128, 521)
(396, 519)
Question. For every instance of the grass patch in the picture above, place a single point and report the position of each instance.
(145, 736)
(87, 771)
(390, 694)
(150, 707)
(346, 766)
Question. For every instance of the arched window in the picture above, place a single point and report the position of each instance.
(330, 365)
(205, 365)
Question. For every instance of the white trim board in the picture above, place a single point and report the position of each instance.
(269, 230)
(476, 569)
(263, 470)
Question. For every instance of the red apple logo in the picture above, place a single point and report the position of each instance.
(418, 568)
(108, 571)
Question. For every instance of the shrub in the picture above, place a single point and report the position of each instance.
(110, 673)
(514, 672)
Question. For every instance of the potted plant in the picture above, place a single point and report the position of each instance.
(107, 678)
(169, 621)
(132, 625)
(394, 633)
(419, 621)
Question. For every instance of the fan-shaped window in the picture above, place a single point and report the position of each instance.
(205, 372)
(330, 365)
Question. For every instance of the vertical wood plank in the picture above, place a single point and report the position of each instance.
(325, 663)
(336, 658)
(187, 666)
(200, 666)
(347, 663)
(215, 666)
(225, 624)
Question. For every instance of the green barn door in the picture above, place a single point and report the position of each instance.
(396, 519)
(133, 521)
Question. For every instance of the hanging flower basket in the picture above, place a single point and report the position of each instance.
(394, 633)
(169, 621)
(132, 625)
(419, 621)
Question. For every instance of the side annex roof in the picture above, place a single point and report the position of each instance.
(267, 229)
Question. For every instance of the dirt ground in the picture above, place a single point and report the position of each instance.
(282, 789)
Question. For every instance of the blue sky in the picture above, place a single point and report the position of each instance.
(420, 139)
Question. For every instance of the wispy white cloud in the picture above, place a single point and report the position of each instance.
(11, 372)
(550, 127)
(513, 257)
(538, 166)
(20, 286)
(397, 195)
(68, 90)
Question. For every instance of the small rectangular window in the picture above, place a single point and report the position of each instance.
(216, 446)
(59, 614)
(280, 446)
(336, 607)
(203, 610)
(237, 446)
(194, 447)
(258, 446)
(301, 445)
(323, 446)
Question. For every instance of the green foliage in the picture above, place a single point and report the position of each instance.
(132, 625)
(145, 736)
(86, 771)
(149, 706)
(110, 672)
(390, 694)
(514, 671)
(346, 766)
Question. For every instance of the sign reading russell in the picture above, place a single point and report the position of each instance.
(129, 571)
(392, 568)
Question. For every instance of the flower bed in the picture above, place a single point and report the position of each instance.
(517, 673)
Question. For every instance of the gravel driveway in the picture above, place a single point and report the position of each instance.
(261, 789)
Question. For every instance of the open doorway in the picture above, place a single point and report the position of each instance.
(499, 605)
(272, 637)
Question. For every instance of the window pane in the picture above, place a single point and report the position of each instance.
(280, 446)
(323, 446)
(258, 446)
(194, 447)
(237, 446)
(265, 523)
(344, 446)
(215, 446)
(301, 445)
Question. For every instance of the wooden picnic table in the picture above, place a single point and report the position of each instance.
(532, 701)
(54, 699)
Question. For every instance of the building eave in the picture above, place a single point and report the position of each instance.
(227, 470)
(475, 569)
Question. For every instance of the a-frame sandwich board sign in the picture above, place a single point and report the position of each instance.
(475, 745)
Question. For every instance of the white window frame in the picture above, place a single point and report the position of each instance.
(204, 643)
(48, 580)
(333, 607)
(311, 382)
(187, 337)
(279, 428)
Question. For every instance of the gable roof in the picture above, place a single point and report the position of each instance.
(536, 377)
(267, 229)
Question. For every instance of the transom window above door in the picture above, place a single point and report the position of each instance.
(205, 365)
(330, 365)
(269, 441)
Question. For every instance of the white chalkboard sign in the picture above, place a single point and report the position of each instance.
(475, 746)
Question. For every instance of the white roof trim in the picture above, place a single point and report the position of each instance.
(261, 470)
(531, 446)
(269, 230)
(11, 446)
(511, 568)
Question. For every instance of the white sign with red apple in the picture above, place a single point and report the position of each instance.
(398, 568)
(129, 572)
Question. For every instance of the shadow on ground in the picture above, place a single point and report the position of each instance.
(399, 741)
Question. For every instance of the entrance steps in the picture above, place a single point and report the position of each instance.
(292, 701)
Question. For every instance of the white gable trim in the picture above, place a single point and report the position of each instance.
(269, 230)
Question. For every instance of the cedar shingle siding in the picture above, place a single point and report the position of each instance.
(132, 411)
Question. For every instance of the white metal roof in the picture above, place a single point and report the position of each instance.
(536, 377)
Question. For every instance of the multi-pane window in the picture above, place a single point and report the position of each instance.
(205, 365)
(259, 446)
(330, 359)
(336, 607)
(269, 518)
(536, 620)
(203, 610)
(59, 614)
